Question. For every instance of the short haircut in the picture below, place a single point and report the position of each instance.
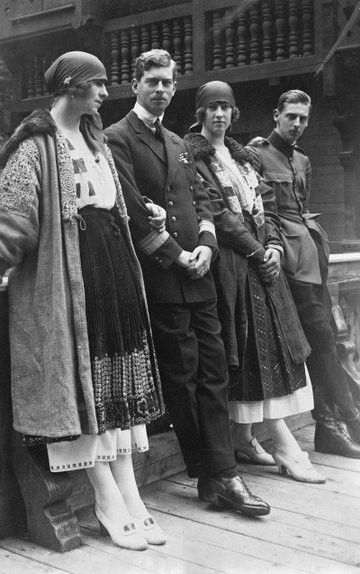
(153, 59)
(293, 97)
(200, 114)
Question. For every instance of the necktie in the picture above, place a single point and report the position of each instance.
(158, 130)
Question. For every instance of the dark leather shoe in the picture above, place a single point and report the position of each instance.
(233, 493)
(334, 438)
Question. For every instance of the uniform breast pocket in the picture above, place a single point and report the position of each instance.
(281, 184)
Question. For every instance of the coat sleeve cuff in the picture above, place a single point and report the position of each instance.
(206, 225)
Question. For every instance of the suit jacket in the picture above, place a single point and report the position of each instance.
(165, 173)
(287, 169)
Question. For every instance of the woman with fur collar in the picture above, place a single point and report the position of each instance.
(264, 342)
(84, 372)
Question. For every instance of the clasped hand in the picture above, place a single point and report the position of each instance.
(157, 217)
(269, 269)
(197, 263)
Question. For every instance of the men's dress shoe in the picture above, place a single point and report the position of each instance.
(233, 493)
(253, 452)
(334, 438)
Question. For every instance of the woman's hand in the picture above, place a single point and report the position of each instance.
(269, 269)
(157, 218)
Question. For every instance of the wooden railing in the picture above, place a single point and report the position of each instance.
(253, 39)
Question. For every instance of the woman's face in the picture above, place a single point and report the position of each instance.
(92, 98)
(217, 118)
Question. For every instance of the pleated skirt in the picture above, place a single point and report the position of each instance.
(124, 370)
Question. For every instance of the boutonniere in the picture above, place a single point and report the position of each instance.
(184, 157)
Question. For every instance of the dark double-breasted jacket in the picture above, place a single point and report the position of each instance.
(165, 173)
(287, 169)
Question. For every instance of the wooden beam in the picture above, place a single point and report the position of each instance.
(144, 18)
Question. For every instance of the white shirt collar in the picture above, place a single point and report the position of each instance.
(145, 116)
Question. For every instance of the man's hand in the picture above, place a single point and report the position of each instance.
(184, 259)
(270, 267)
(200, 261)
(157, 218)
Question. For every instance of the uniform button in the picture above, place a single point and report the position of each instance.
(173, 218)
(194, 202)
(171, 203)
(175, 234)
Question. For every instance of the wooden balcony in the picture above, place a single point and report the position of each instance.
(232, 41)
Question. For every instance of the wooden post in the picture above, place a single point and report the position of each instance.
(51, 521)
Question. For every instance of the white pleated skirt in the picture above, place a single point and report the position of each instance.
(248, 412)
(88, 449)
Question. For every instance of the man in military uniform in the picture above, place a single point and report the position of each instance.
(285, 167)
(154, 162)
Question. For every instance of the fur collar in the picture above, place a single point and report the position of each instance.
(203, 150)
(39, 122)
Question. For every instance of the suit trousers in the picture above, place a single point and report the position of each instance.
(328, 378)
(194, 379)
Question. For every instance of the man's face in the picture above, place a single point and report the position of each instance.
(155, 89)
(292, 121)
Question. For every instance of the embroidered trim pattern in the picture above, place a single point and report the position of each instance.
(67, 180)
(20, 178)
(124, 391)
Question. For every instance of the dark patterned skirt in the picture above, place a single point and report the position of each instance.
(124, 369)
(267, 370)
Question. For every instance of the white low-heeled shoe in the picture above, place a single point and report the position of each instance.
(252, 451)
(299, 467)
(125, 535)
(151, 531)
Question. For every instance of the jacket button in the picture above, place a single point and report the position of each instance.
(175, 234)
(194, 202)
(171, 203)
(173, 218)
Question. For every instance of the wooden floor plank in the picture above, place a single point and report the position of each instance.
(312, 529)
(344, 482)
(79, 561)
(302, 498)
(191, 545)
(11, 563)
(261, 536)
(157, 560)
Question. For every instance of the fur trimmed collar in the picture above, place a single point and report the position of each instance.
(39, 122)
(203, 150)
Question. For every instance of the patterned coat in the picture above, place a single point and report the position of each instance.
(50, 358)
(241, 245)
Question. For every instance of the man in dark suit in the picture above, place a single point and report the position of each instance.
(287, 169)
(153, 162)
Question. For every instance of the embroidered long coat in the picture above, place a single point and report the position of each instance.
(50, 358)
(241, 242)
